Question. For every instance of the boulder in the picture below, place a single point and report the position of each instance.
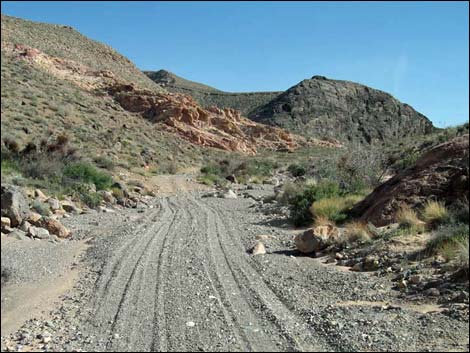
(55, 227)
(34, 218)
(19, 235)
(14, 204)
(54, 204)
(38, 194)
(316, 239)
(38, 232)
(107, 196)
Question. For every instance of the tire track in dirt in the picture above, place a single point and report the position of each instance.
(293, 328)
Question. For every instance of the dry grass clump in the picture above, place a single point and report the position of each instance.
(334, 208)
(356, 231)
(434, 213)
(408, 218)
(462, 252)
(319, 221)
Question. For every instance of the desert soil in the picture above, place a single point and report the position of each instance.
(179, 276)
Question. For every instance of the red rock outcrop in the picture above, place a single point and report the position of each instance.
(440, 174)
(213, 127)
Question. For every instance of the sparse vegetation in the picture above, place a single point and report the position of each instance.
(449, 241)
(356, 231)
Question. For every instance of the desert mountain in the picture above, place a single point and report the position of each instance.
(318, 107)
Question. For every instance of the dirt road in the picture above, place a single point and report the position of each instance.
(178, 277)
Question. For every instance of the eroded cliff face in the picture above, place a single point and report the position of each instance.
(440, 174)
(178, 113)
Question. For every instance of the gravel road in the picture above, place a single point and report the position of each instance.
(179, 277)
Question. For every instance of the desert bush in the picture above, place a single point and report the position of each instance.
(117, 193)
(408, 219)
(434, 213)
(354, 171)
(104, 162)
(83, 172)
(84, 194)
(297, 170)
(449, 241)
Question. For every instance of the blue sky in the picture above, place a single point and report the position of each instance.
(417, 51)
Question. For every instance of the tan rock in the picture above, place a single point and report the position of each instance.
(40, 195)
(34, 218)
(259, 249)
(5, 222)
(316, 239)
(54, 204)
(55, 227)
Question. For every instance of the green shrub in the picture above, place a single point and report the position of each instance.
(300, 207)
(86, 173)
(9, 166)
(297, 170)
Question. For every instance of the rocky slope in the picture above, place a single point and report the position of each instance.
(441, 173)
(343, 110)
(208, 96)
(102, 77)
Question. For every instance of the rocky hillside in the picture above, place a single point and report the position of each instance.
(56, 81)
(440, 174)
(318, 107)
(208, 96)
(343, 110)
